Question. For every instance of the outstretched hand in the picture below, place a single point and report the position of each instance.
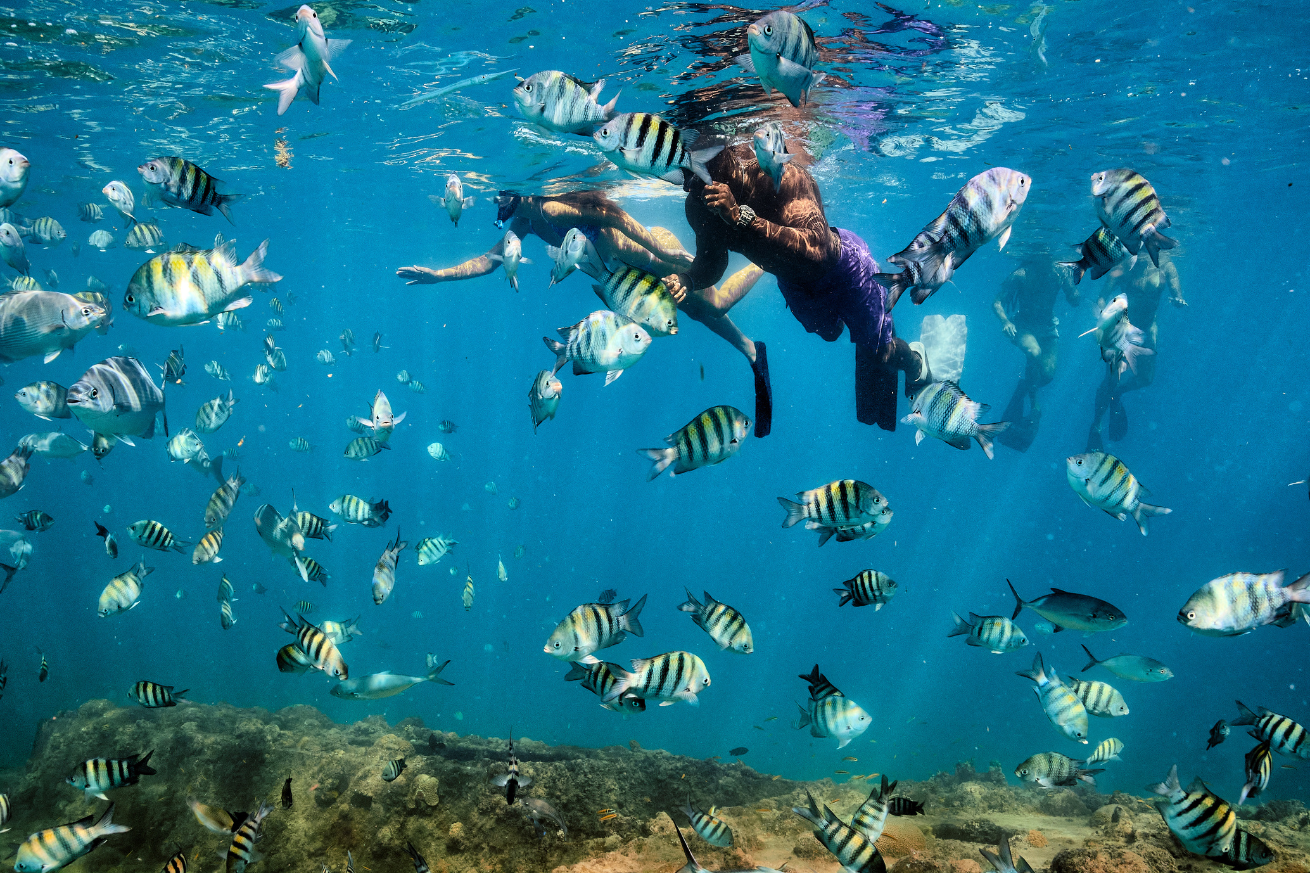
(673, 283)
(1179, 302)
(719, 199)
(416, 275)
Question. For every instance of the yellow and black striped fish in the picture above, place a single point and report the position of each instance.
(290, 659)
(97, 775)
(213, 414)
(1202, 822)
(178, 182)
(725, 625)
(1283, 735)
(1259, 767)
(648, 145)
(1105, 483)
(593, 626)
(52, 848)
(189, 285)
(598, 678)
(206, 551)
(145, 235)
(153, 696)
(843, 505)
(603, 342)
(710, 438)
(1060, 704)
(668, 678)
(708, 826)
(222, 500)
(1129, 208)
(364, 447)
(1099, 698)
(153, 535)
(176, 864)
(90, 212)
(310, 570)
(304, 606)
(356, 510)
(871, 817)
(6, 810)
(869, 587)
(321, 650)
(242, 850)
(226, 615)
(123, 591)
(855, 853)
(1100, 253)
(636, 294)
(944, 411)
(313, 526)
(995, 633)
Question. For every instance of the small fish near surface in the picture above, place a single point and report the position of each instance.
(783, 53)
(869, 588)
(178, 182)
(710, 438)
(725, 625)
(376, 686)
(771, 154)
(48, 850)
(543, 402)
(995, 633)
(98, 775)
(1067, 610)
(1064, 709)
(1239, 603)
(453, 199)
(983, 210)
(310, 58)
(648, 145)
(562, 103)
(191, 286)
(594, 626)
(944, 411)
(1051, 769)
(603, 342)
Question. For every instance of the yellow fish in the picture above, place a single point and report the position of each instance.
(849, 758)
(603, 811)
(776, 778)
(610, 816)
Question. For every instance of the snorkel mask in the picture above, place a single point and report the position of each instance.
(506, 203)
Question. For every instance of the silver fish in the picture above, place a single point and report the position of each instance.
(647, 145)
(543, 401)
(45, 323)
(310, 59)
(118, 398)
(559, 102)
(604, 341)
(783, 54)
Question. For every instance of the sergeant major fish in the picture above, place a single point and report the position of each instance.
(14, 172)
(725, 625)
(1259, 767)
(432, 549)
(710, 438)
(241, 852)
(179, 182)
(1121, 342)
(98, 775)
(222, 500)
(509, 257)
(944, 411)
(154, 696)
(559, 102)
(153, 535)
(44, 323)
(1105, 483)
(853, 851)
(831, 713)
(1284, 736)
(123, 591)
(599, 679)
(783, 54)
(708, 826)
(1238, 603)
(48, 400)
(604, 341)
(190, 286)
(868, 588)
(50, 849)
(1099, 698)
(384, 574)
(633, 293)
(573, 249)
(843, 504)
(647, 145)
(1201, 821)
(1100, 253)
(1129, 208)
(117, 398)
(145, 236)
(513, 780)
(995, 633)
(1061, 705)
(871, 817)
(1049, 769)
(1107, 750)
(668, 678)
(13, 473)
(594, 626)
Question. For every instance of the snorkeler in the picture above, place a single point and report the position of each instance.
(1143, 284)
(617, 237)
(1025, 306)
(824, 274)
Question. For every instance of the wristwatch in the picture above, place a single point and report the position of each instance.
(745, 216)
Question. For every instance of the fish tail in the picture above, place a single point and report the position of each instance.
(985, 434)
(847, 596)
(795, 511)
(561, 357)
(961, 626)
(805, 717)
(253, 269)
(1071, 271)
(1091, 659)
(812, 815)
(896, 285)
(698, 159)
(286, 91)
(593, 264)
(1169, 785)
(622, 681)
(1245, 715)
(1154, 242)
(434, 675)
(221, 205)
(105, 826)
(608, 108)
(142, 767)
(1037, 673)
(661, 458)
(1018, 601)
(1145, 511)
(630, 618)
(692, 604)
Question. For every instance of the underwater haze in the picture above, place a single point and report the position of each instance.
(1209, 102)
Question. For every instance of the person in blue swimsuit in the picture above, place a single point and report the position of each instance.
(825, 274)
(617, 237)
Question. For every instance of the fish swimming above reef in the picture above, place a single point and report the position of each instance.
(376, 686)
(47, 850)
(1061, 705)
(1070, 611)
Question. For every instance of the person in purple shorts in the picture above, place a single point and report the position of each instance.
(825, 274)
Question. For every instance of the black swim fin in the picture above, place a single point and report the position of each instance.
(1021, 433)
(875, 389)
(1116, 420)
(763, 391)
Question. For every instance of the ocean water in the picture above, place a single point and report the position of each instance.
(1208, 101)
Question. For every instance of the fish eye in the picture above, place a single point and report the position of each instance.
(1191, 615)
(527, 88)
(130, 298)
(768, 30)
(95, 392)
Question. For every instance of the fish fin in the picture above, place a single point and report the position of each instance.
(985, 434)
(662, 458)
(698, 160)
(612, 375)
(223, 201)
(286, 91)
(746, 62)
(1154, 242)
(293, 59)
(795, 511)
(1146, 510)
(1132, 353)
(1091, 662)
(253, 269)
(50, 356)
(961, 626)
(1004, 238)
(124, 438)
(336, 47)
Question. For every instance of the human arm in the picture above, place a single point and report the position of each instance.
(562, 213)
(1009, 288)
(1175, 287)
(470, 269)
(801, 237)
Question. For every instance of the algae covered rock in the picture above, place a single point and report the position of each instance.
(1099, 860)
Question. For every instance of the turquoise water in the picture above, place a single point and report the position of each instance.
(1209, 103)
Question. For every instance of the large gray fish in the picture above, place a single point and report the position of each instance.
(983, 210)
(1137, 668)
(14, 170)
(1065, 609)
(1202, 822)
(995, 633)
(54, 444)
(1105, 483)
(540, 810)
(1129, 208)
(710, 438)
(190, 286)
(118, 398)
(48, 400)
(543, 398)
(278, 533)
(1239, 603)
(375, 686)
(1061, 705)
(647, 145)
(603, 342)
(50, 849)
(1049, 769)
(310, 57)
(381, 419)
(12, 250)
(559, 102)
(13, 471)
(44, 323)
(783, 54)
(1100, 253)
(853, 851)
(179, 182)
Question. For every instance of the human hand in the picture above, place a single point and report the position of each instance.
(719, 199)
(416, 275)
(1009, 329)
(673, 283)
(1179, 302)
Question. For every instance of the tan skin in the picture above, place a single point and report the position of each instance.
(620, 238)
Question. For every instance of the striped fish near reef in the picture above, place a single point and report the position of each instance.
(1202, 822)
(1061, 705)
(853, 851)
(708, 826)
(594, 626)
(178, 182)
(871, 817)
(668, 678)
(48, 850)
(725, 625)
(599, 679)
(98, 775)
(241, 852)
(154, 696)
(1284, 736)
